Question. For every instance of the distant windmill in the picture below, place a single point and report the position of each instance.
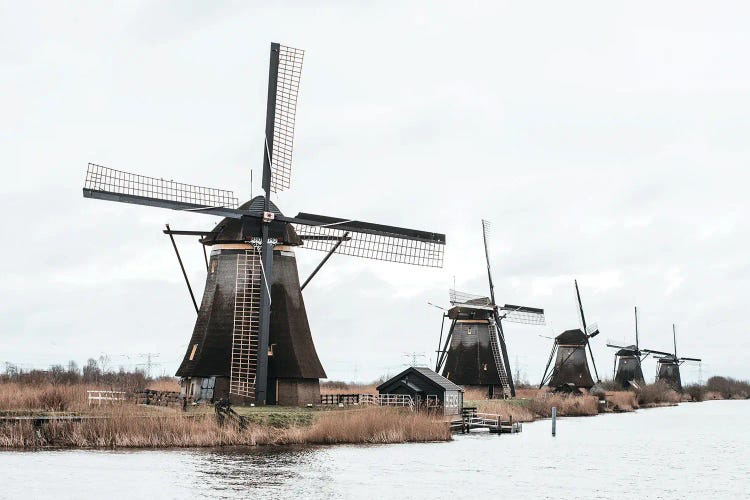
(475, 352)
(571, 369)
(252, 339)
(669, 366)
(628, 370)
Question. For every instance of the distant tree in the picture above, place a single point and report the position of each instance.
(105, 363)
(91, 371)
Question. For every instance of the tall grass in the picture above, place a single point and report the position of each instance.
(346, 388)
(658, 393)
(129, 426)
(169, 384)
(528, 410)
(372, 425)
(621, 400)
(44, 397)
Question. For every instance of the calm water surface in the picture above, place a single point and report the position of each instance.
(691, 451)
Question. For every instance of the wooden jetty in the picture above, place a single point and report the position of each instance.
(471, 419)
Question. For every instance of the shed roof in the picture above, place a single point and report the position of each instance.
(425, 372)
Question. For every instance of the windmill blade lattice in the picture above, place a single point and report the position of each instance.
(134, 188)
(457, 297)
(486, 233)
(523, 315)
(287, 90)
(592, 329)
(371, 241)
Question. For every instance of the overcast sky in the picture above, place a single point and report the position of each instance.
(607, 143)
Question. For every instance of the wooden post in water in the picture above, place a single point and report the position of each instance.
(554, 420)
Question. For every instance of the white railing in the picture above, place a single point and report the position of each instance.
(387, 400)
(107, 396)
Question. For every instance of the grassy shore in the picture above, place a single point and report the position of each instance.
(137, 426)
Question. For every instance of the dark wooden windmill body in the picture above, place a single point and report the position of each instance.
(475, 352)
(628, 370)
(570, 371)
(668, 366)
(252, 340)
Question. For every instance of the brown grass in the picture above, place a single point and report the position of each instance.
(44, 397)
(372, 425)
(657, 394)
(128, 425)
(348, 389)
(540, 406)
(506, 409)
(164, 384)
(530, 393)
(477, 394)
(621, 400)
(567, 405)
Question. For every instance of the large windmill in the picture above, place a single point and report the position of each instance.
(252, 339)
(628, 371)
(475, 352)
(669, 366)
(571, 369)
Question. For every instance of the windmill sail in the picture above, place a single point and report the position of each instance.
(286, 91)
(523, 315)
(370, 241)
(457, 297)
(116, 185)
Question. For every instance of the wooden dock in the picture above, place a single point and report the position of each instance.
(471, 419)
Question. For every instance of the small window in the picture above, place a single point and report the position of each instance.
(484, 367)
(213, 265)
(192, 353)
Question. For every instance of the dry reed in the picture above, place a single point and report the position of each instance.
(506, 409)
(164, 385)
(621, 400)
(130, 426)
(348, 389)
(44, 397)
(657, 394)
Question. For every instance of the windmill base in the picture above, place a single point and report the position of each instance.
(281, 391)
(294, 391)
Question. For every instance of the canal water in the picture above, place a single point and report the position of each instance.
(699, 450)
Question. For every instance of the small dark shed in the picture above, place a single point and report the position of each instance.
(427, 388)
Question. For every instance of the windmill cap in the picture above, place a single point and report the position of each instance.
(229, 230)
(572, 337)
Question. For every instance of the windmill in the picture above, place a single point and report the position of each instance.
(252, 339)
(571, 369)
(475, 352)
(628, 359)
(669, 366)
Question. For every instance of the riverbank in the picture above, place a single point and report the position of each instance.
(127, 425)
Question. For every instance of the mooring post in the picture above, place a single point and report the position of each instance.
(554, 420)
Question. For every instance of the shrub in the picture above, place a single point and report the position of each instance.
(657, 393)
(696, 392)
(729, 388)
